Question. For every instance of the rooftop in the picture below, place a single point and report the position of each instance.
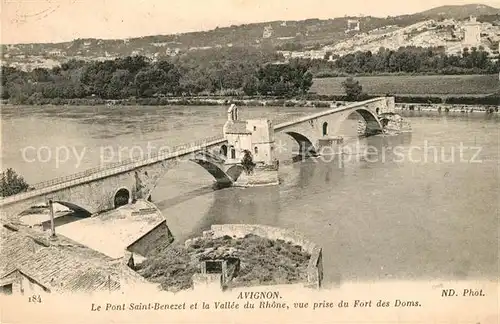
(59, 264)
(236, 127)
(112, 232)
(63, 263)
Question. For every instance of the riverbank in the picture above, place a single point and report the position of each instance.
(310, 100)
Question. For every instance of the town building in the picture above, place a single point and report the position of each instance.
(34, 264)
(80, 254)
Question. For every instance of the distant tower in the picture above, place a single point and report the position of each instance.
(352, 25)
(268, 32)
(472, 34)
(400, 38)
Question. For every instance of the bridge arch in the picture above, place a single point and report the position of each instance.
(74, 207)
(210, 159)
(373, 125)
(24, 212)
(325, 128)
(221, 177)
(121, 197)
(306, 147)
(43, 204)
(235, 171)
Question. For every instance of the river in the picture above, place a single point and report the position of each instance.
(377, 216)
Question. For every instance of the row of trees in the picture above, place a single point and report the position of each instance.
(228, 71)
(408, 60)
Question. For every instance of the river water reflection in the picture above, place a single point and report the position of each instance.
(405, 215)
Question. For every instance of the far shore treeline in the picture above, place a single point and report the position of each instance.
(235, 71)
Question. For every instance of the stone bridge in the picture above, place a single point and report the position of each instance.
(113, 185)
(310, 131)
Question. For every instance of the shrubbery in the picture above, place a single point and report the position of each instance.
(11, 183)
(491, 100)
(407, 60)
(417, 99)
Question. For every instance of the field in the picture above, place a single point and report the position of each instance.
(417, 85)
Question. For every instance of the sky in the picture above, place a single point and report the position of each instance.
(40, 21)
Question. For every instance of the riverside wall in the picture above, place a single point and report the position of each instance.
(467, 108)
(444, 108)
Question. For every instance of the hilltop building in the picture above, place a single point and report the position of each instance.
(472, 33)
(268, 32)
(352, 25)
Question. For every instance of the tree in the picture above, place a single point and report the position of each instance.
(12, 183)
(250, 85)
(40, 75)
(170, 84)
(149, 81)
(119, 84)
(247, 162)
(352, 88)
(284, 79)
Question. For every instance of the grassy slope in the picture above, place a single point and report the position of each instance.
(415, 85)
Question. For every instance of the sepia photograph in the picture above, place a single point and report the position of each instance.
(231, 161)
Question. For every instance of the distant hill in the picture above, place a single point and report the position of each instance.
(460, 12)
(447, 34)
(270, 36)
